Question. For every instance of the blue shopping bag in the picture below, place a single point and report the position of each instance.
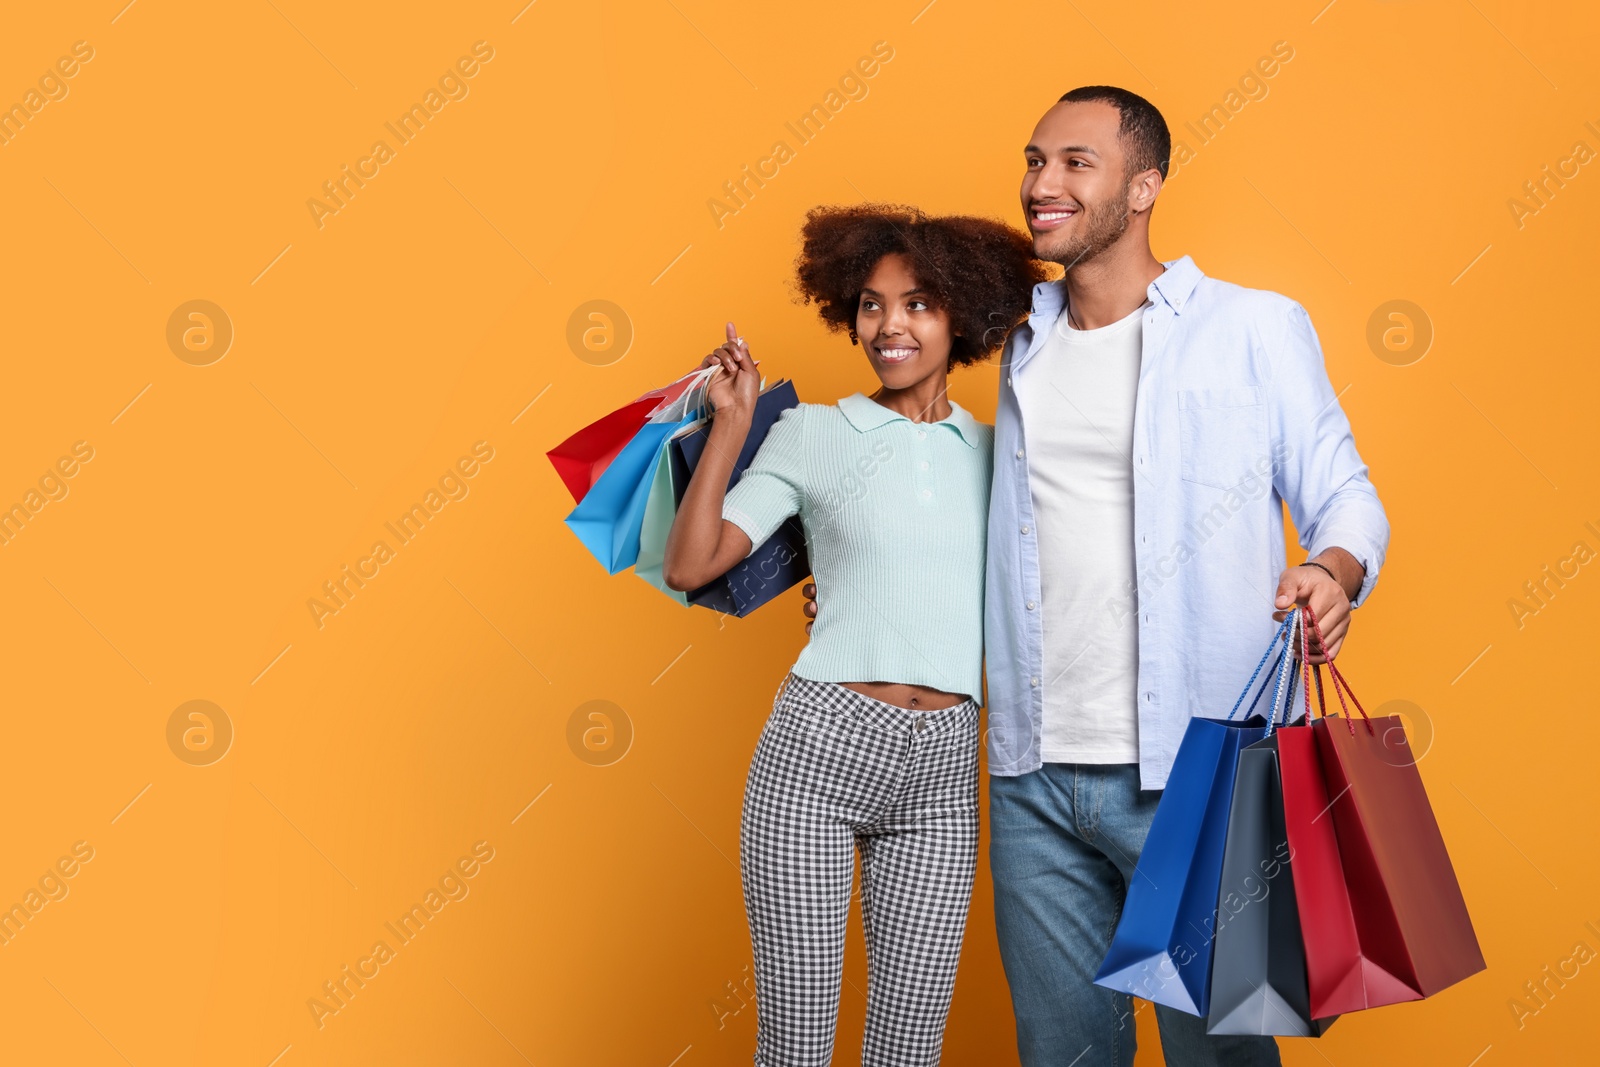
(1162, 948)
(608, 519)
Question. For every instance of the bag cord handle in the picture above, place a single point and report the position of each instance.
(1340, 685)
(1257, 673)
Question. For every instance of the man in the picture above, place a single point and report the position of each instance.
(1134, 540)
(1136, 560)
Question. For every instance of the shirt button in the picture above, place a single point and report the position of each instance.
(1019, 453)
(1008, 379)
(926, 493)
(922, 433)
(921, 723)
(1030, 605)
(924, 464)
(1034, 681)
(1024, 529)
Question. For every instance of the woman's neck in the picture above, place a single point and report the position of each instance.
(923, 402)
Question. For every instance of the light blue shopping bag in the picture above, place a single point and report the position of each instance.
(609, 517)
(660, 508)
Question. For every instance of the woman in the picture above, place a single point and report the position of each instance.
(873, 739)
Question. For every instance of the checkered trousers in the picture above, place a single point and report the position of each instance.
(834, 772)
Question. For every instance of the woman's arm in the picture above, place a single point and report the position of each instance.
(702, 545)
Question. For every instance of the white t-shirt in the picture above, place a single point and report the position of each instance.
(1077, 397)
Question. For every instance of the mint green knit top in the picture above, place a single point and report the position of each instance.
(896, 516)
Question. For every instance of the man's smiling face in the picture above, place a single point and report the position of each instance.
(1075, 188)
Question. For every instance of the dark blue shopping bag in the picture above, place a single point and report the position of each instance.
(780, 561)
(608, 518)
(1161, 950)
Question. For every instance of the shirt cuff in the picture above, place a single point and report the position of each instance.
(1365, 553)
(745, 523)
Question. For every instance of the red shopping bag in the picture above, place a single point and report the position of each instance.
(583, 457)
(1381, 912)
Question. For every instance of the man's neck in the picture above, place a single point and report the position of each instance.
(1111, 286)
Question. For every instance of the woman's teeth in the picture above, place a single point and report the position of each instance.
(895, 354)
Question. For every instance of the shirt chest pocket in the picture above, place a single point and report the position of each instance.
(1222, 434)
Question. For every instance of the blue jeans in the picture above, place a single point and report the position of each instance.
(1064, 840)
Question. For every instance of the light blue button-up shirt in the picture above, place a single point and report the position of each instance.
(1234, 417)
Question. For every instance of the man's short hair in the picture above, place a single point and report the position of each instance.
(1146, 141)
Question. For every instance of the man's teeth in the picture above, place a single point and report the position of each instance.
(1051, 216)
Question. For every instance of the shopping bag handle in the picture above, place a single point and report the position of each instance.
(1285, 681)
(695, 399)
(1307, 671)
(1257, 673)
(1283, 696)
(1340, 685)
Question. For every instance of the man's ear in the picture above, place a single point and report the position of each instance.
(1145, 188)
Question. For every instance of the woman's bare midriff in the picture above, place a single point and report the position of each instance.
(907, 696)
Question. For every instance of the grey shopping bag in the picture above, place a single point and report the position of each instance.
(1258, 968)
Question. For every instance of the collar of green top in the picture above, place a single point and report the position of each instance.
(866, 414)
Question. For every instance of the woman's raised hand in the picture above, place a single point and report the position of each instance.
(735, 391)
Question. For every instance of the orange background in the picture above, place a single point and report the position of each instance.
(371, 352)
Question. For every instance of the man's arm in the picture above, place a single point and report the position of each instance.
(1336, 511)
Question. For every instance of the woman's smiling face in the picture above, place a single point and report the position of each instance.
(907, 339)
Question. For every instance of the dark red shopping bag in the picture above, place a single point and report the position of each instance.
(583, 457)
(1381, 912)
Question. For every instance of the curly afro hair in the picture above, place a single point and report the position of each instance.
(979, 271)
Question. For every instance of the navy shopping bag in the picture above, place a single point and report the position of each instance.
(780, 562)
(1161, 950)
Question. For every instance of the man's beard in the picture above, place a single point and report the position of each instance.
(1103, 224)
